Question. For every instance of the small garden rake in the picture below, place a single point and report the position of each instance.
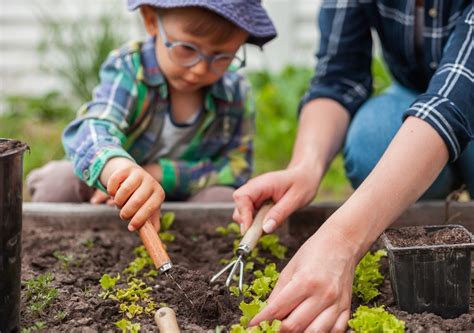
(247, 244)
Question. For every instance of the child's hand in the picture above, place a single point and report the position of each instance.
(100, 197)
(135, 191)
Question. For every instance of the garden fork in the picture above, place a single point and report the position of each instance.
(246, 245)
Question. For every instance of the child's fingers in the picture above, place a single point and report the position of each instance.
(135, 202)
(116, 179)
(98, 197)
(127, 188)
(150, 207)
(155, 220)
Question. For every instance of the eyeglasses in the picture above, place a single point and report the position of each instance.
(187, 55)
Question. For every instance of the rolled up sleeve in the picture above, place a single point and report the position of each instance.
(448, 104)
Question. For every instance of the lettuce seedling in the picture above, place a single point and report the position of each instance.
(127, 326)
(272, 244)
(232, 228)
(250, 310)
(375, 320)
(108, 284)
(263, 327)
(367, 276)
(167, 221)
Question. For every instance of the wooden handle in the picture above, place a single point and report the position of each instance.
(165, 318)
(252, 235)
(153, 245)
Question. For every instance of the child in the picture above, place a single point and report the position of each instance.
(167, 116)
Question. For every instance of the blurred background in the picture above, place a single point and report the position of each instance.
(51, 51)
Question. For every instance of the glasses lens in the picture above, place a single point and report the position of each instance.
(221, 63)
(184, 54)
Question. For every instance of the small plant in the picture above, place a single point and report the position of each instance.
(39, 325)
(263, 327)
(40, 293)
(232, 228)
(166, 222)
(272, 244)
(66, 260)
(61, 315)
(88, 243)
(127, 326)
(108, 284)
(142, 261)
(367, 276)
(375, 320)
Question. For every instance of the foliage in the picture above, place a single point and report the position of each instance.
(127, 326)
(232, 228)
(367, 276)
(140, 262)
(39, 325)
(375, 320)
(81, 50)
(272, 244)
(40, 293)
(108, 283)
(166, 222)
(65, 259)
(263, 327)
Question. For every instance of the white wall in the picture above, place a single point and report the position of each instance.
(20, 33)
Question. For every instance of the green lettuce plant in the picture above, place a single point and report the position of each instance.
(375, 320)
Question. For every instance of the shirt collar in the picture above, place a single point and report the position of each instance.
(152, 75)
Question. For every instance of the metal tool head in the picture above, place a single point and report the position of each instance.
(232, 266)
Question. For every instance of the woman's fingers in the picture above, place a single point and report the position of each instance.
(283, 207)
(341, 322)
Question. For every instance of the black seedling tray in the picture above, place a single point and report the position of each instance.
(433, 278)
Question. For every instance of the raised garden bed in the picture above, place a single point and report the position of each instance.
(77, 244)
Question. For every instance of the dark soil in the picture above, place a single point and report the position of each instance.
(417, 236)
(11, 146)
(195, 252)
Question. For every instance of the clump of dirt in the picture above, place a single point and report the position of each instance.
(420, 236)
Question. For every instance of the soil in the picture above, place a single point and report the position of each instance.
(417, 236)
(8, 146)
(195, 253)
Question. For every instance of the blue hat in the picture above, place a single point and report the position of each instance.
(248, 15)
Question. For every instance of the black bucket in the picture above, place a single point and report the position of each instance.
(11, 172)
(431, 278)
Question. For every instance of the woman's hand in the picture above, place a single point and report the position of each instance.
(313, 293)
(289, 189)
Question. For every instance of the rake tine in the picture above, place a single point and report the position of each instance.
(232, 272)
(241, 275)
(216, 276)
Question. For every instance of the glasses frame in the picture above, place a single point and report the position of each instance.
(200, 56)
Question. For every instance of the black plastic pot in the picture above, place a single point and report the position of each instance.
(432, 278)
(11, 171)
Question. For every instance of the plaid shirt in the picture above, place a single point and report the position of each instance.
(443, 72)
(126, 116)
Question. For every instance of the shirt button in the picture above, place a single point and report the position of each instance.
(85, 174)
(433, 12)
(433, 65)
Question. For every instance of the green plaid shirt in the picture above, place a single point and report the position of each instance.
(126, 117)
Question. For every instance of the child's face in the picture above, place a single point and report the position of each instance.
(188, 79)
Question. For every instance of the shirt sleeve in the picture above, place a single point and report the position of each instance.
(98, 133)
(344, 57)
(233, 166)
(448, 102)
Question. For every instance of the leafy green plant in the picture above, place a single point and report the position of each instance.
(142, 261)
(272, 244)
(39, 325)
(166, 222)
(108, 284)
(263, 327)
(40, 293)
(367, 276)
(65, 259)
(232, 228)
(375, 320)
(61, 315)
(127, 326)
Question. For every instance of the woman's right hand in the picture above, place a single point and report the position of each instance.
(289, 189)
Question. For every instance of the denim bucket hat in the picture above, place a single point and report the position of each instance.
(249, 15)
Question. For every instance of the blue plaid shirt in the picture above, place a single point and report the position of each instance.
(443, 72)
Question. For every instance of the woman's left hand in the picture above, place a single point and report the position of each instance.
(313, 293)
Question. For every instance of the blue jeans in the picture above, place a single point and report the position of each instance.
(375, 125)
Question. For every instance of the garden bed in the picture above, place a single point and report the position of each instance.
(78, 245)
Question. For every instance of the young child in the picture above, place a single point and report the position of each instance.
(167, 117)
